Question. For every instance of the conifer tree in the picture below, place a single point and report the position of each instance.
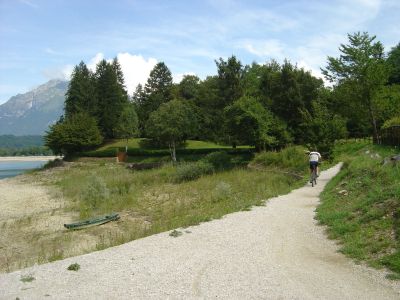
(111, 97)
(80, 96)
(156, 91)
(230, 74)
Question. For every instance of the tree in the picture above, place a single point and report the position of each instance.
(127, 126)
(248, 123)
(157, 90)
(76, 133)
(111, 97)
(361, 67)
(321, 127)
(172, 122)
(188, 87)
(80, 96)
(210, 117)
(230, 74)
(393, 62)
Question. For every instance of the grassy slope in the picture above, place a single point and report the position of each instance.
(367, 220)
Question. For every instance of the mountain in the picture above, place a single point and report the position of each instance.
(32, 113)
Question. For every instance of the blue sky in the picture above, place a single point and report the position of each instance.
(44, 39)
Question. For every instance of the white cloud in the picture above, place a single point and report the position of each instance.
(94, 61)
(51, 51)
(136, 69)
(177, 78)
(315, 72)
(63, 72)
(266, 49)
(67, 71)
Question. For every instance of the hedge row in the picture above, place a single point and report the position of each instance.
(112, 152)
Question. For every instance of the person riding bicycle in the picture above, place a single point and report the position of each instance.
(314, 159)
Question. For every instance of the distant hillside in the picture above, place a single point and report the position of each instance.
(11, 141)
(11, 145)
(32, 113)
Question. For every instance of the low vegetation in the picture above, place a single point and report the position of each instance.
(361, 205)
(74, 267)
(148, 201)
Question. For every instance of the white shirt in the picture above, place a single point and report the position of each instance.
(314, 156)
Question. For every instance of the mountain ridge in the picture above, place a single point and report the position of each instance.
(31, 113)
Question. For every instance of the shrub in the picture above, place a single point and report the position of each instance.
(222, 191)
(293, 158)
(74, 267)
(220, 160)
(191, 171)
(54, 163)
(95, 193)
(74, 134)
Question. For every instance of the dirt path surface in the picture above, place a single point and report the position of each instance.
(271, 252)
(20, 198)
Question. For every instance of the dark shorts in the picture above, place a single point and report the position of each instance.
(313, 164)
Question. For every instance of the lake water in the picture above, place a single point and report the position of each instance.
(14, 168)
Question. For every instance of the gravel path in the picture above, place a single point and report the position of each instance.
(271, 252)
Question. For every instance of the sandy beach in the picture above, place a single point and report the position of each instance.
(28, 158)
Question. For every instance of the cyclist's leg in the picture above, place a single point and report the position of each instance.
(311, 171)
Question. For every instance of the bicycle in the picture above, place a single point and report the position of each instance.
(313, 177)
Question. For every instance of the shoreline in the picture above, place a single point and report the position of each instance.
(27, 158)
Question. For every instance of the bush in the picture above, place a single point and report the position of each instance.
(75, 134)
(220, 160)
(74, 267)
(293, 158)
(191, 171)
(54, 163)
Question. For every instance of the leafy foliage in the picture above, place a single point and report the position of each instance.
(393, 62)
(293, 158)
(362, 69)
(248, 123)
(77, 133)
(322, 128)
(127, 125)
(392, 122)
(172, 122)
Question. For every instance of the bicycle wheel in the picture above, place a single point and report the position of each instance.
(314, 177)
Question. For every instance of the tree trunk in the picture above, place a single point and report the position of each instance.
(173, 152)
(375, 137)
(126, 147)
(171, 145)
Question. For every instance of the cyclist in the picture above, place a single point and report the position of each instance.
(314, 158)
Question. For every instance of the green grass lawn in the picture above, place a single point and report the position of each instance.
(361, 205)
(190, 144)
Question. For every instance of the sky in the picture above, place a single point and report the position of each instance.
(44, 39)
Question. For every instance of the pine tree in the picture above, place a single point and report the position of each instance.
(111, 97)
(230, 74)
(80, 96)
(156, 91)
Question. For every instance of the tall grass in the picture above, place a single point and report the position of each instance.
(366, 220)
(293, 158)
